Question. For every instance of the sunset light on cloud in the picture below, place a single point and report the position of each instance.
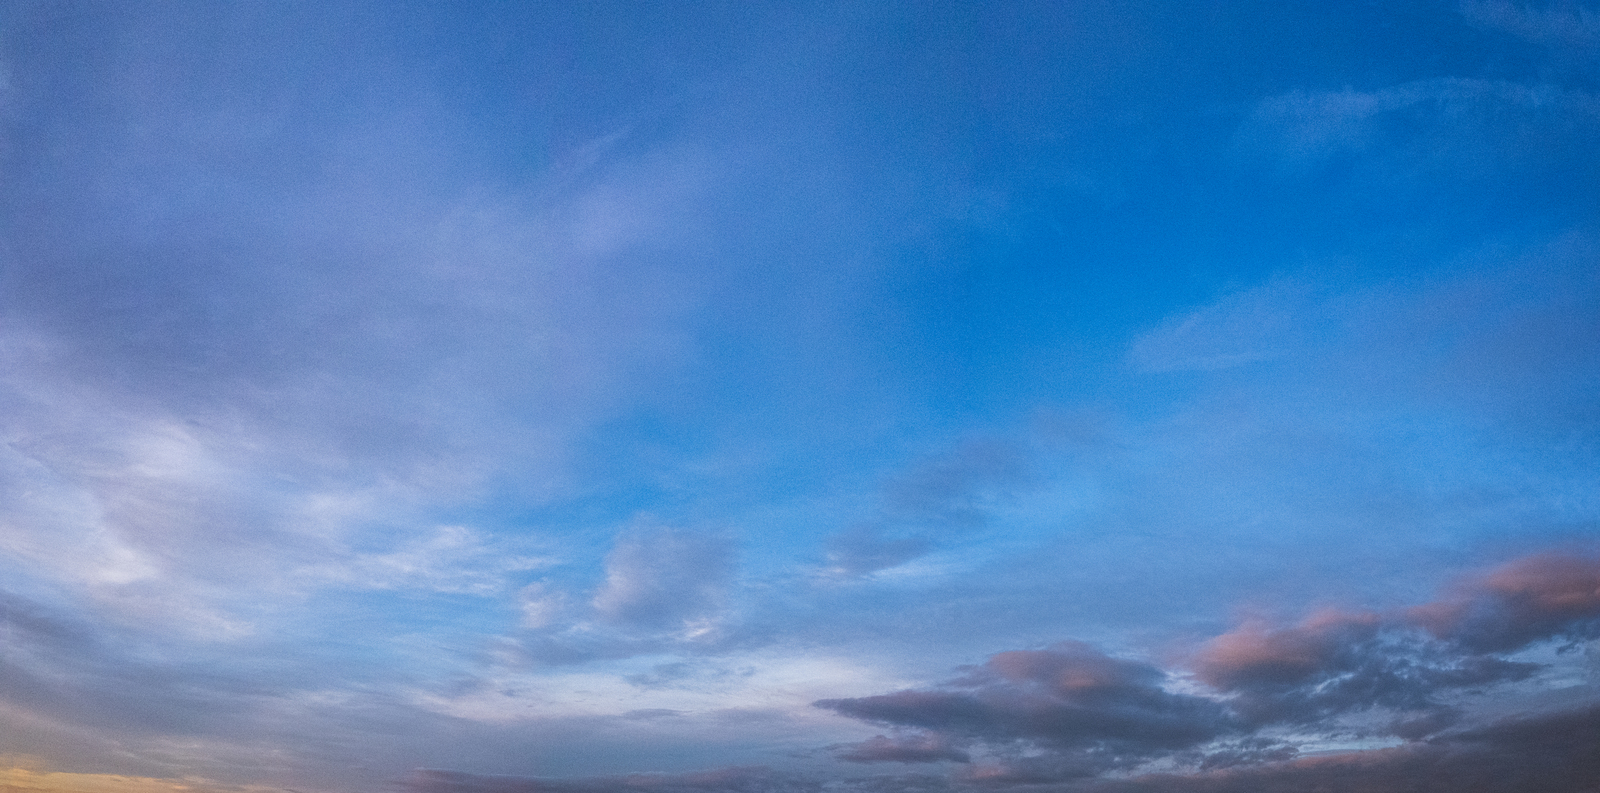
(861, 397)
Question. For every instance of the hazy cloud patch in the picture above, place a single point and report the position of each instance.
(748, 779)
(662, 578)
(1566, 23)
(915, 748)
(1241, 329)
(943, 496)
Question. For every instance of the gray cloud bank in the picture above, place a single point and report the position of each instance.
(1548, 753)
(1263, 707)
(1072, 711)
(1106, 712)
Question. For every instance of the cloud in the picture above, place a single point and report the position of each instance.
(276, 330)
(541, 605)
(1255, 654)
(949, 489)
(870, 547)
(1336, 662)
(1564, 24)
(1553, 752)
(1528, 600)
(1333, 663)
(1244, 328)
(454, 559)
(1455, 127)
(63, 670)
(946, 495)
(1516, 328)
(920, 748)
(1108, 712)
(27, 780)
(748, 779)
(1071, 711)
(664, 579)
(307, 328)
(1556, 752)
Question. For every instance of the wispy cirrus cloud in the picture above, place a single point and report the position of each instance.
(944, 496)
(1240, 329)
(1333, 663)
(1567, 24)
(1452, 128)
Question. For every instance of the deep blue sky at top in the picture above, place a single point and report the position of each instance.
(481, 376)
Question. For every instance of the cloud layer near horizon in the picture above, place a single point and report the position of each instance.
(1071, 711)
(1550, 753)
(573, 394)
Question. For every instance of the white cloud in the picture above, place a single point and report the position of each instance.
(1243, 328)
(541, 604)
(1566, 24)
(1303, 128)
(450, 559)
(662, 578)
(769, 680)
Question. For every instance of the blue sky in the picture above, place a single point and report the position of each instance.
(508, 397)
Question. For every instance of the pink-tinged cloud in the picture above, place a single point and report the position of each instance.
(1335, 662)
(1531, 599)
(1100, 712)
(1256, 654)
(1072, 711)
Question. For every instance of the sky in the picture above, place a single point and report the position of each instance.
(799, 397)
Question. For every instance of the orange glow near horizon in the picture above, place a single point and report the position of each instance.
(19, 779)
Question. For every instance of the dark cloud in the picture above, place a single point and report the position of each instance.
(1539, 597)
(1335, 662)
(1545, 753)
(1556, 752)
(750, 779)
(1254, 655)
(923, 748)
(1103, 711)
(1071, 711)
